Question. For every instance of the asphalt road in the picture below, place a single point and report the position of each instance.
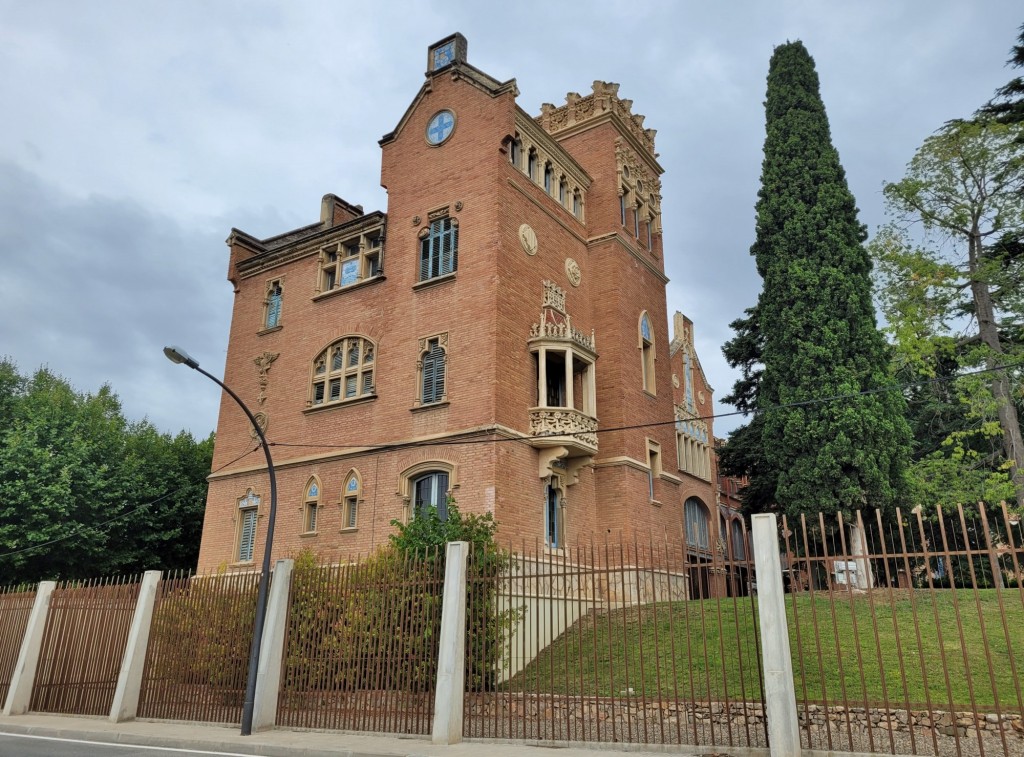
(12, 745)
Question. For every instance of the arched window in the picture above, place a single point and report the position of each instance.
(311, 505)
(272, 305)
(430, 489)
(433, 369)
(515, 152)
(739, 550)
(549, 173)
(343, 372)
(351, 493)
(647, 352)
(563, 190)
(531, 164)
(553, 526)
(695, 516)
(577, 204)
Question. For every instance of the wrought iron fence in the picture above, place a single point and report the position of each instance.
(83, 645)
(361, 644)
(197, 658)
(906, 631)
(652, 642)
(15, 608)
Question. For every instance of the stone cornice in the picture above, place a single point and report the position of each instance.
(526, 124)
(543, 206)
(614, 236)
(310, 245)
(452, 437)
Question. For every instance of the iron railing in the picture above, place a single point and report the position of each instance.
(642, 642)
(906, 631)
(15, 608)
(198, 652)
(83, 645)
(361, 644)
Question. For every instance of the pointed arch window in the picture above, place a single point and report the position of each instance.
(433, 370)
(647, 353)
(245, 536)
(272, 305)
(549, 173)
(311, 505)
(352, 492)
(531, 164)
(577, 204)
(515, 152)
(343, 372)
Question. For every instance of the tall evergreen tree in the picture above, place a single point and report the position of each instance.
(814, 324)
(1007, 107)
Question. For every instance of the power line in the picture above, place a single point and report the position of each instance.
(469, 438)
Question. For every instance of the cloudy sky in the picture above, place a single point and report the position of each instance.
(135, 134)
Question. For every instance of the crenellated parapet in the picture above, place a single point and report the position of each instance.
(603, 101)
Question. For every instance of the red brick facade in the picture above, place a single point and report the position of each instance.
(548, 279)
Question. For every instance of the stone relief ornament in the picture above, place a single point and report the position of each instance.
(528, 239)
(262, 420)
(263, 363)
(572, 270)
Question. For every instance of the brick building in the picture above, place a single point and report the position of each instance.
(499, 335)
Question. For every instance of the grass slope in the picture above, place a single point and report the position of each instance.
(707, 650)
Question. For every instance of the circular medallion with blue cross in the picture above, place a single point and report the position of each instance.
(440, 127)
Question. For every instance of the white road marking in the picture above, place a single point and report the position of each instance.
(124, 746)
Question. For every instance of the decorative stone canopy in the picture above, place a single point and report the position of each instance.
(604, 100)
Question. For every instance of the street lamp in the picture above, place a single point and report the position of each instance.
(178, 355)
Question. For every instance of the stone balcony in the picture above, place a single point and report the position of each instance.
(563, 427)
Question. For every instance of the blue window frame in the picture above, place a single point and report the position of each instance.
(439, 249)
(553, 517)
(274, 296)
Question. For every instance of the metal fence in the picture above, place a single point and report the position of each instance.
(361, 644)
(906, 631)
(642, 643)
(15, 608)
(197, 658)
(83, 645)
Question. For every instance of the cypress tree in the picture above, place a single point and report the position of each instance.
(814, 324)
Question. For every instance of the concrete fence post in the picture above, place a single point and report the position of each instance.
(779, 689)
(20, 692)
(129, 680)
(451, 658)
(268, 672)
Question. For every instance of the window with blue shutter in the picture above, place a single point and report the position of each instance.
(439, 249)
(274, 295)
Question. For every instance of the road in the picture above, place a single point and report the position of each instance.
(16, 745)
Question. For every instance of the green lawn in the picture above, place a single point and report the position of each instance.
(661, 648)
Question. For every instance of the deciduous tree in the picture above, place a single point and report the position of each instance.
(958, 295)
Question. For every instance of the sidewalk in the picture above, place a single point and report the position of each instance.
(280, 743)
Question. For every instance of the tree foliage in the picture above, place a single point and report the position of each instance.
(813, 329)
(1007, 106)
(954, 305)
(77, 480)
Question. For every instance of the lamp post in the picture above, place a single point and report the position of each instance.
(178, 355)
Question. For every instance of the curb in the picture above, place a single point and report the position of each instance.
(141, 739)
